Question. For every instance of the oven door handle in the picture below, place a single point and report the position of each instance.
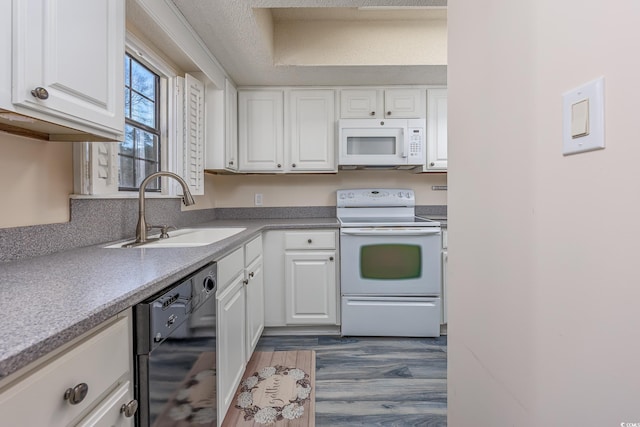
(390, 232)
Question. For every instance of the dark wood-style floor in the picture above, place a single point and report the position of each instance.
(370, 381)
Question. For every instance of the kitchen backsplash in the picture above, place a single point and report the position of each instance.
(95, 221)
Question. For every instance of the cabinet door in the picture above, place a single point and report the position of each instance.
(359, 104)
(445, 259)
(255, 304)
(312, 137)
(109, 413)
(231, 342)
(274, 286)
(231, 127)
(260, 130)
(73, 50)
(404, 103)
(102, 363)
(436, 130)
(310, 282)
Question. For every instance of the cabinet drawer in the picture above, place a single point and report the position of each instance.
(310, 240)
(229, 267)
(109, 413)
(252, 250)
(101, 362)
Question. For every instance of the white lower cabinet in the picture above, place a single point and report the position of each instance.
(255, 304)
(445, 259)
(254, 283)
(310, 287)
(301, 276)
(240, 320)
(110, 412)
(85, 384)
(231, 342)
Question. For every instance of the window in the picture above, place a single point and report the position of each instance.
(164, 130)
(139, 153)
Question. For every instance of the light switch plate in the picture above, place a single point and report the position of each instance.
(593, 138)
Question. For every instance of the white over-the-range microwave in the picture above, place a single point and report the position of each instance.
(393, 143)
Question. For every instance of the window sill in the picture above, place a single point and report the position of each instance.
(132, 195)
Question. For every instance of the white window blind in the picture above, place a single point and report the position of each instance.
(193, 134)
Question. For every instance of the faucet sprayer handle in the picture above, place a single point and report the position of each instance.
(164, 229)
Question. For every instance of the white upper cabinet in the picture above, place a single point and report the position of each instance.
(436, 160)
(359, 103)
(312, 131)
(382, 103)
(261, 130)
(67, 65)
(290, 130)
(231, 126)
(404, 103)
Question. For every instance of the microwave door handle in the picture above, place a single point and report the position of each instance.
(405, 144)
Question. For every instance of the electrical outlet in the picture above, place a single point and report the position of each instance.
(257, 200)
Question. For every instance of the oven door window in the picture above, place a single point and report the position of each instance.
(391, 261)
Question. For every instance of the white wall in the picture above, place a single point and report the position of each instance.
(37, 178)
(320, 189)
(326, 42)
(544, 290)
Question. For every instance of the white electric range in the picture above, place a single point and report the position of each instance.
(390, 264)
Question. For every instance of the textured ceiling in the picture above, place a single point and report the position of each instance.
(246, 38)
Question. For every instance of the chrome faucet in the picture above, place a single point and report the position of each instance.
(142, 227)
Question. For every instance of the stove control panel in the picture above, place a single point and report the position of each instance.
(372, 197)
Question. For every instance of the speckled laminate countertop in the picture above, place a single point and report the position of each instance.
(47, 301)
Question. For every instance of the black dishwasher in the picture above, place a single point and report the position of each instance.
(175, 346)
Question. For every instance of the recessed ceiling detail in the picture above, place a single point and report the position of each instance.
(328, 42)
(349, 37)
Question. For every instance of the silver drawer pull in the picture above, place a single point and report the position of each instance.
(76, 394)
(129, 409)
(40, 93)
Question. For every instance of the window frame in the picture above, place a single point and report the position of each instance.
(159, 101)
(96, 164)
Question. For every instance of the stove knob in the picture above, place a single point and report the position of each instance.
(400, 195)
(343, 196)
(351, 195)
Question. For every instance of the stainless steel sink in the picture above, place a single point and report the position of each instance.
(186, 237)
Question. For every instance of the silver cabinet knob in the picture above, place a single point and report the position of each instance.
(279, 165)
(432, 164)
(373, 113)
(231, 163)
(245, 282)
(76, 394)
(330, 258)
(388, 113)
(251, 274)
(40, 93)
(293, 165)
(309, 241)
(129, 409)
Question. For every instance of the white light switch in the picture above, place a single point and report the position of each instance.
(580, 119)
(583, 118)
